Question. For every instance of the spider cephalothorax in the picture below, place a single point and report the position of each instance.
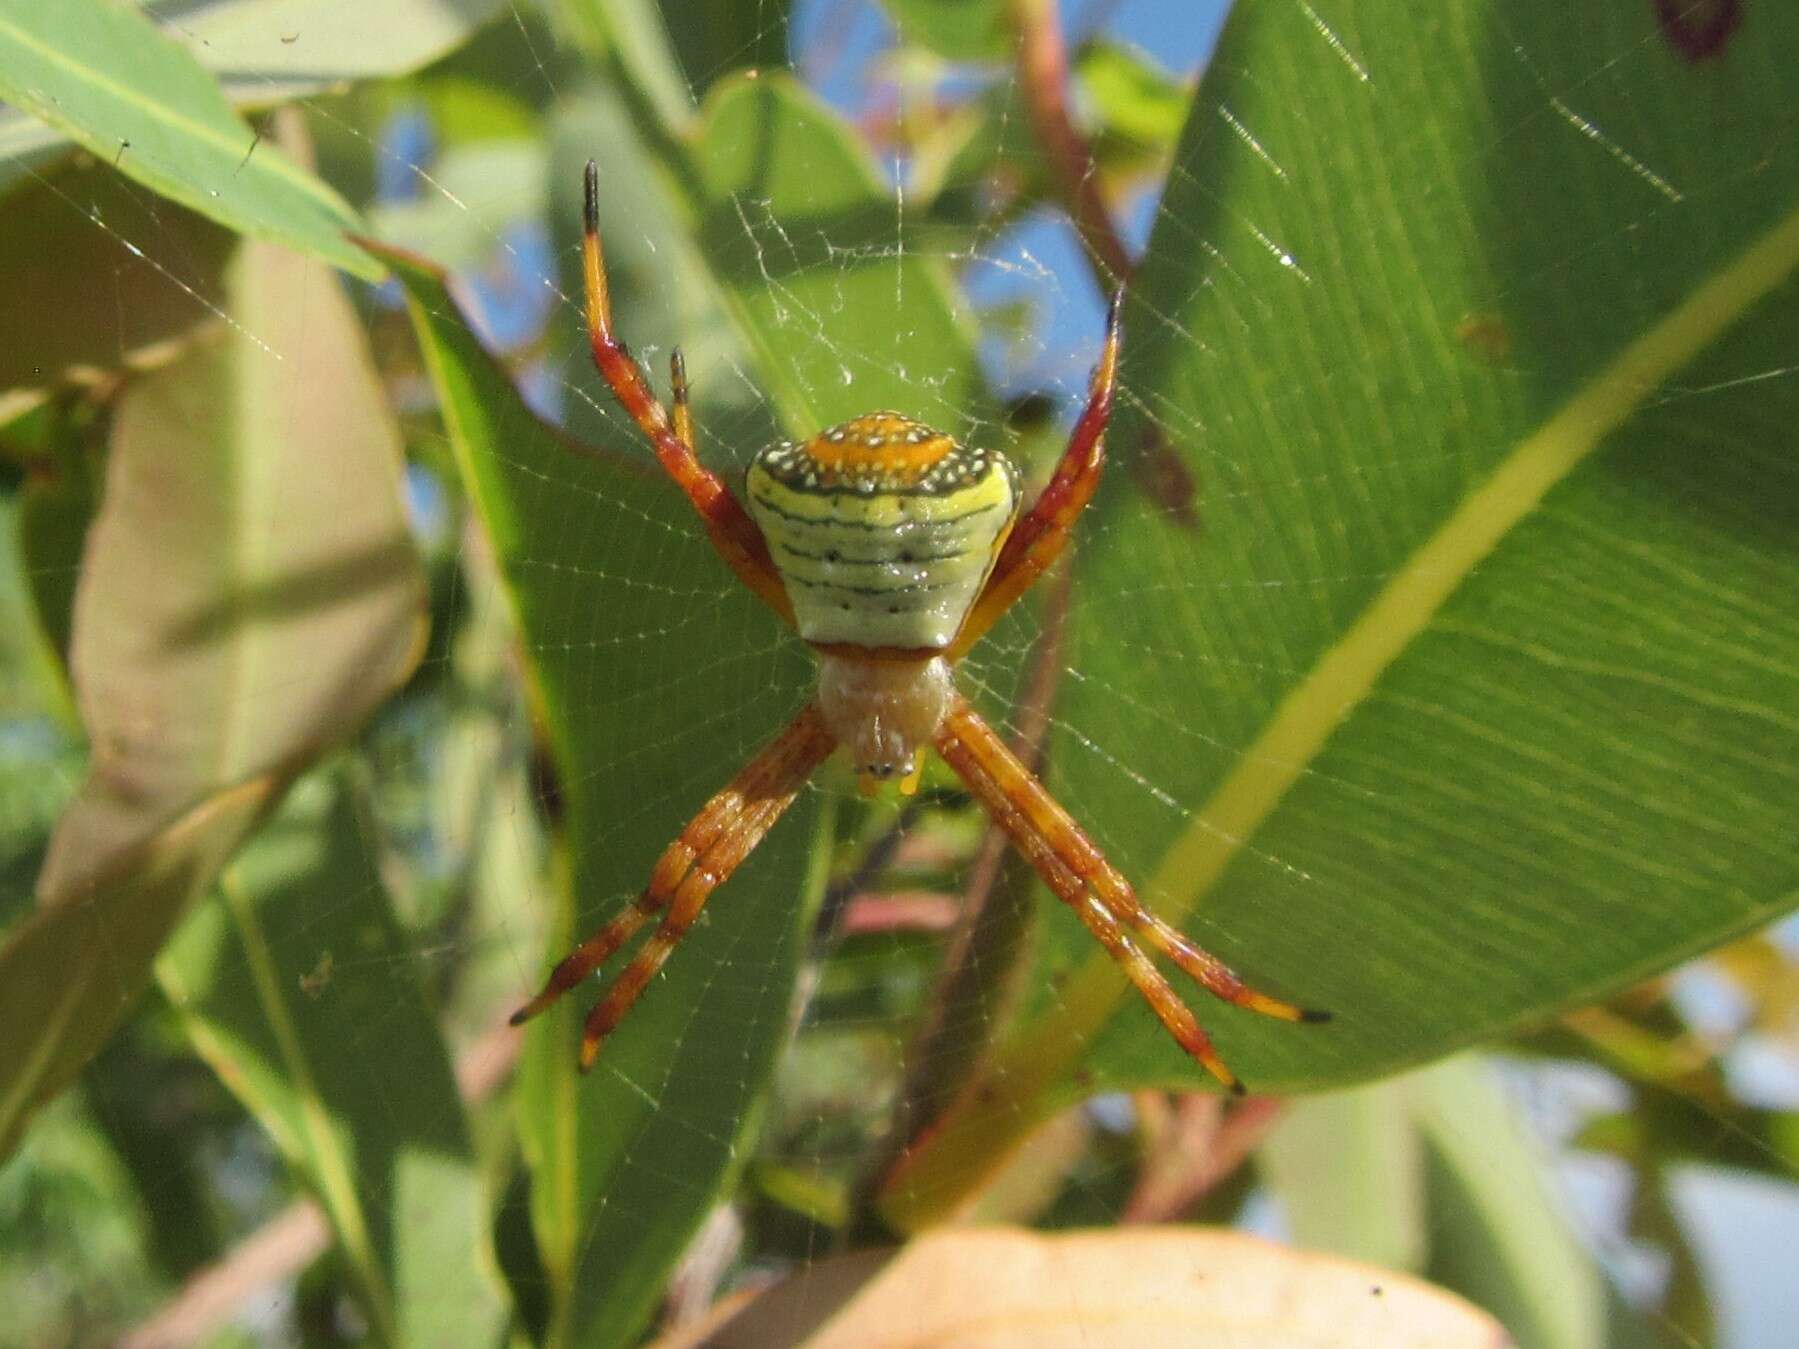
(891, 549)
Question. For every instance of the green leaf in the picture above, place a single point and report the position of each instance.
(1348, 1169)
(1471, 698)
(56, 508)
(962, 30)
(657, 677)
(100, 72)
(1137, 108)
(806, 242)
(1498, 1235)
(299, 988)
(1664, 1128)
(33, 672)
(266, 52)
(630, 39)
(249, 595)
(1132, 96)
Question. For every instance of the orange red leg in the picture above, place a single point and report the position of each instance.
(1077, 872)
(733, 533)
(712, 846)
(1038, 538)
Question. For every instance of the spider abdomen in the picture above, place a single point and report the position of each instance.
(883, 529)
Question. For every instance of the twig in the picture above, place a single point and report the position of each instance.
(288, 1242)
(878, 857)
(1043, 75)
(1203, 1145)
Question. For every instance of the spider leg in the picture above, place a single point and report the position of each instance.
(702, 857)
(733, 533)
(1079, 874)
(677, 384)
(1037, 539)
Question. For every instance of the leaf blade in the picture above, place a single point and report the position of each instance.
(296, 1004)
(104, 75)
(1399, 506)
(209, 670)
(618, 1191)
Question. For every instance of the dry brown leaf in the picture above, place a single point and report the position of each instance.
(1004, 1288)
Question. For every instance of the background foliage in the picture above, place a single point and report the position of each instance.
(1429, 651)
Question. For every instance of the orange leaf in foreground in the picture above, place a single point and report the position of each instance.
(1004, 1288)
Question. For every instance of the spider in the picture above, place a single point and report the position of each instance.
(891, 549)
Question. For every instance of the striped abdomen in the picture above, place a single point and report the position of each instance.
(883, 529)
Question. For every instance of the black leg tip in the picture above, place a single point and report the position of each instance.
(1315, 1016)
(1115, 308)
(519, 1017)
(590, 203)
(1238, 1089)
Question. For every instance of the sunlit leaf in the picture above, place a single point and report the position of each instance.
(298, 986)
(100, 72)
(265, 52)
(806, 242)
(1132, 96)
(249, 594)
(962, 30)
(1137, 110)
(1470, 698)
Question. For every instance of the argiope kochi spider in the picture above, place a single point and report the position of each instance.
(891, 549)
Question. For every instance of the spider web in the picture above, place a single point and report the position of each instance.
(465, 802)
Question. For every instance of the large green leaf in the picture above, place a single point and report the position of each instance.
(655, 683)
(249, 594)
(101, 73)
(300, 989)
(1472, 697)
